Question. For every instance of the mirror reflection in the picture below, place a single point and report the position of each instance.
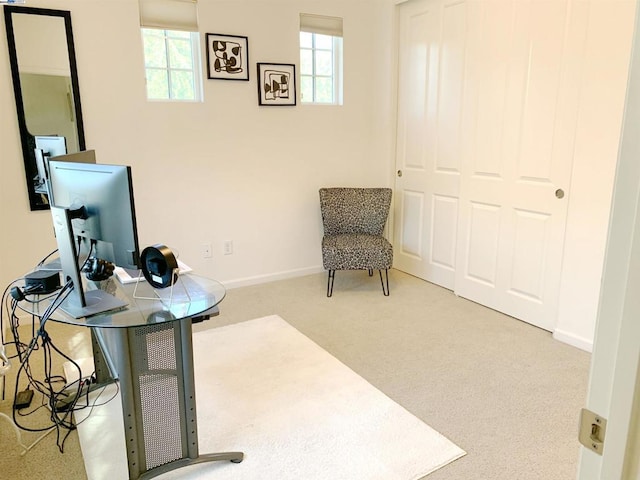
(46, 89)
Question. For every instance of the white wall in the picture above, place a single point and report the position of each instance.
(225, 169)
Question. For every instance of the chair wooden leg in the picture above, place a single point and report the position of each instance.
(332, 276)
(371, 272)
(385, 289)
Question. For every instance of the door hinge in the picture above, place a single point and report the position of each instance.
(592, 430)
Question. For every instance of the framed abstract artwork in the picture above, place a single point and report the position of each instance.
(276, 84)
(227, 57)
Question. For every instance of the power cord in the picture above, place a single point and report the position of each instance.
(61, 399)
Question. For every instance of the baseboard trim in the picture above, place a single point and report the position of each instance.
(271, 277)
(573, 340)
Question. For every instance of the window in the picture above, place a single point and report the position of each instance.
(172, 59)
(172, 64)
(320, 59)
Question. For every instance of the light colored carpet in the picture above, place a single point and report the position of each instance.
(494, 385)
(295, 411)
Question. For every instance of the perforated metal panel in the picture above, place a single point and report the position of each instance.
(161, 419)
(160, 385)
(161, 348)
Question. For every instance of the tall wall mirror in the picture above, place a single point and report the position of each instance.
(45, 83)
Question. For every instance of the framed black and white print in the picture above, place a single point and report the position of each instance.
(227, 57)
(276, 84)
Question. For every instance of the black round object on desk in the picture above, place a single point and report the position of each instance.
(159, 266)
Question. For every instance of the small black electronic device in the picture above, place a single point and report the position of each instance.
(42, 281)
(23, 399)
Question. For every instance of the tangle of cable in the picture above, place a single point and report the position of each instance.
(61, 418)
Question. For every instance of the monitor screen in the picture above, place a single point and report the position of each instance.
(51, 145)
(106, 194)
(93, 212)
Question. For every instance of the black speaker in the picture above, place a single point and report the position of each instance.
(159, 266)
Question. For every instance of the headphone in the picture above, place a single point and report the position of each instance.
(98, 269)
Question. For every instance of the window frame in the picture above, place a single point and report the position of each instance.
(196, 65)
(337, 68)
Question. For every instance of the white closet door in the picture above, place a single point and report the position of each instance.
(432, 50)
(521, 106)
(488, 101)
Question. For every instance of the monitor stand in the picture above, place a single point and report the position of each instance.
(53, 266)
(79, 303)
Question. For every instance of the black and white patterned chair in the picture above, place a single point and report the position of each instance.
(353, 220)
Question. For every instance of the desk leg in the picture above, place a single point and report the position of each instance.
(104, 371)
(190, 403)
(155, 368)
(116, 343)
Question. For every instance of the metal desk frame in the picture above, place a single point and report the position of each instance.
(154, 365)
(150, 353)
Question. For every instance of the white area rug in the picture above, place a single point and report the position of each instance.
(298, 413)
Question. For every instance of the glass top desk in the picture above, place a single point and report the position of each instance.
(147, 347)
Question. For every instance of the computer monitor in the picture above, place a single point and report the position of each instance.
(52, 145)
(40, 180)
(47, 146)
(93, 210)
(84, 156)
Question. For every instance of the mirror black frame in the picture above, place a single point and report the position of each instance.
(27, 140)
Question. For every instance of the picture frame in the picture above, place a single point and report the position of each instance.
(277, 84)
(227, 57)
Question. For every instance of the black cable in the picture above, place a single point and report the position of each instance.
(5, 305)
(24, 361)
(41, 298)
(60, 418)
(8, 309)
(14, 325)
(22, 366)
(95, 402)
(86, 260)
(80, 382)
(41, 262)
(34, 409)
